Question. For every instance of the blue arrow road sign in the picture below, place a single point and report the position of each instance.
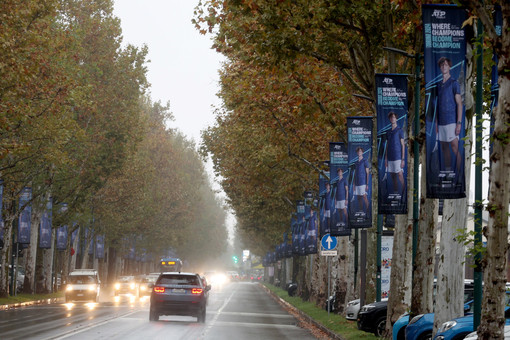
(328, 242)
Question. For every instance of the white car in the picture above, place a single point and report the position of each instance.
(352, 310)
(473, 336)
(83, 285)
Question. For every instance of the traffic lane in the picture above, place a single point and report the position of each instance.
(248, 312)
(234, 311)
(47, 321)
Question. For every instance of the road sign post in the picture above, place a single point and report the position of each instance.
(328, 244)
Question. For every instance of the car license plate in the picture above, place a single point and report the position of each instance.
(178, 291)
(79, 294)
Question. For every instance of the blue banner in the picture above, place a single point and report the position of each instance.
(498, 25)
(359, 134)
(62, 238)
(45, 226)
(73, 236)
(295, 235)
(339, 170)
(445, 75)
(392, 142)
(311, 236)
(324, 206)
(25, 216)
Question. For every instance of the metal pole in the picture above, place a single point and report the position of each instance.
(329, 281)
(478, 179)
(356, 255)
(379, 260)
(416, 179)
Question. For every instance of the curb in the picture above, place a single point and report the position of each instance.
(30, 303)
(330, 333)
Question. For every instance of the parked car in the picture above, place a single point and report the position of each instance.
(372, 317)
(352, 309)
(474, 336)
(421, 326)
(459, 328)
(83, 285)
(179, 294)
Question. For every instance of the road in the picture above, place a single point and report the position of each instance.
(235, 311)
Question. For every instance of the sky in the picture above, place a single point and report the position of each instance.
(183, 69)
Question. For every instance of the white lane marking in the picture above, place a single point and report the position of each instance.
(213, 321)
(88, 327)
(254, 324)
(282, 316)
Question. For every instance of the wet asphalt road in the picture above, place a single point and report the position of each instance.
(235, 311)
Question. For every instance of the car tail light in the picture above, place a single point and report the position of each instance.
(196, 291)
(159, 289)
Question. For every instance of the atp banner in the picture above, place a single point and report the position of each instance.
(99, 247)
(359, 134)
(295, 235)
(324, 207)
(339, 170)
(392, 142)
(25, 216)
(45, 226)
(445, 75)
(498, 25)
(311, 236)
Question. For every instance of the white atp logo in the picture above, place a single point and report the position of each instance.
(356, 121)
(439, 14)
(388, 81)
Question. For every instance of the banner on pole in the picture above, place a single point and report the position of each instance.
(392, 142)
(25, 216)
(359, 133)
(45, 226)
(339, 170)
(445, 75)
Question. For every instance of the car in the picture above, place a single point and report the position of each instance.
(126, 285)
(474, 336)
(352, 309)
(83, 285)
(372, 317)
(178, 294)
(421, 326)
(458, 328)
(144, 282)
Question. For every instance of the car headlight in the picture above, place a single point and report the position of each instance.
(353, 303)
(143, 288)
(132, 286)
(415, 319)
(92, 287)
(447, 325)
(367, 308)
(69, 287)
(117, 285)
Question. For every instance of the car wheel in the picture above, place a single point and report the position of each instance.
(201, 316)
(402, 334)
(380, 326)
(153, 316)
(427, 336)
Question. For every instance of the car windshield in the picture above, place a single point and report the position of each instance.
(182, 280)
(126, 278)
(80, 279)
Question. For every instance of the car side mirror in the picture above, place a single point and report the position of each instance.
(207, 288)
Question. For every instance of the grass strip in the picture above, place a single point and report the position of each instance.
(335, 322)
(29, 297)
